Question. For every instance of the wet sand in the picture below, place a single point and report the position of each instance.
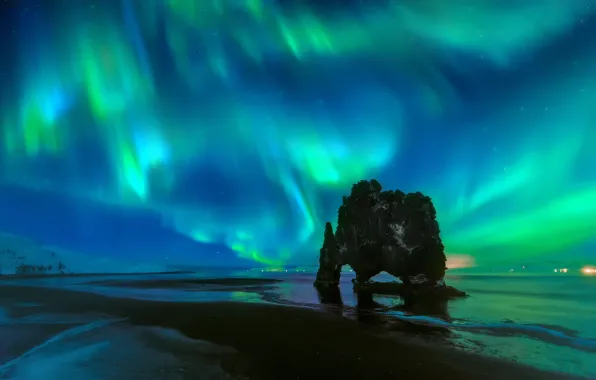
(180, 283)
(28, 336)
(280, 342)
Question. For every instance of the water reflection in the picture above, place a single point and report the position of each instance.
(430, 307)
(246, 297)
(329, 295)
(295, 289)
(395, 312)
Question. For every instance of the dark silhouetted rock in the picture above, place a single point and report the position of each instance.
(389, 231)
(385, 231)
(329, 266)
(329, 295)
(441, 292)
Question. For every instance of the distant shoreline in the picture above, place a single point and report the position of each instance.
(51, 275)
(279, 342)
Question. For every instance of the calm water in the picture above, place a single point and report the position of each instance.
(547, 322)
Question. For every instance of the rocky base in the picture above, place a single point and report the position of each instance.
(328, 276)
(325, 284)
(408, 290)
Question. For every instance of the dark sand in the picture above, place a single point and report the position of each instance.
(279, 342)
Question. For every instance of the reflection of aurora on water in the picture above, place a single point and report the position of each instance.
(290, 104)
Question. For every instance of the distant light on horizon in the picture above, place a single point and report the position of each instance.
(459, 261)
(589, 270)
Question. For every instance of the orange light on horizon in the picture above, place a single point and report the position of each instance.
(589, 270)
(458, 261)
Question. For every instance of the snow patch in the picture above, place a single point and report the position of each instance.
(20, 255)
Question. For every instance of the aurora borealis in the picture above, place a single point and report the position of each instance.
(240, 123)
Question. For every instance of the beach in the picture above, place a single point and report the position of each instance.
(269, 341)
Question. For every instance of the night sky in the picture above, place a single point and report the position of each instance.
(212, 132)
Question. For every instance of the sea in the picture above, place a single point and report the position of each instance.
(545, 321)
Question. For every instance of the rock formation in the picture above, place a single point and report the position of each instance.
(329, 267)
(384, 231)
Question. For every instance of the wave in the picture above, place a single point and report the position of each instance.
(56, 338)
(88, 352)
(548, 334)
(4, 316)
(510, 276)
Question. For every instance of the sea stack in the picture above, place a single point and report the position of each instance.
(386, 231)
(329, 265)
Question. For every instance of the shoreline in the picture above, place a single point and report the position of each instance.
(285, 342)
(70, 275)
(181, 283)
